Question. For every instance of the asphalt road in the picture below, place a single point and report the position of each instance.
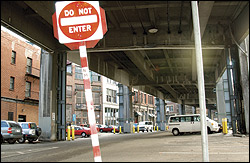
(143, 147)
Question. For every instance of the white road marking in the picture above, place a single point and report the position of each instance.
(30, 151)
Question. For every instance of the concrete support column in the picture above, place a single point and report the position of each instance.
(244, 78)
(209, 113)
(61, 96)
(124, 108)
(46, 121)
(220, 101)
(183, 107)
(193, 110)
(230, 86)
(161, 116)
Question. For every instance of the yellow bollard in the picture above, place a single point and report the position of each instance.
(73, 133)
(68, 133)
(224, 125)
(114, 130)
(138, 129)
(120, 130)
(154, 128)
(133, 129)
(157, 128)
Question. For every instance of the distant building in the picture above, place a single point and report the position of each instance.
(110, 105)
(20, 74)
(144, 106)
(76, 110)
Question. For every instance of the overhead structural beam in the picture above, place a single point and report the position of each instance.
(170, 90)
(138, 59)
(152, 16)
(13, 17)
(205, 8)
(173, 47)
(113, 19)
(168, 59)
(241, 25)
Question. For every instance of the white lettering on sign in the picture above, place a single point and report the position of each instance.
(85, 11)
(83, 28)
(68, 12)
(79, 20)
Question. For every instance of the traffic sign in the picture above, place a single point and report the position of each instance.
(78, 21)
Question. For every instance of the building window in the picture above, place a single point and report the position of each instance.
(144, 98)
(69, 69)
(10, 116)
(141, 97)
(28, 89)
(113, 96)
(12, 81)
(170, 108)
(29, 65)
(108, 95)
(95, 76)
(96, 98)
(13, 57)
(150, 100)
(78, 73)
(136, 97)
(69, 91)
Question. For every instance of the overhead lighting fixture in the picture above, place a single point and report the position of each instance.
(153, 30)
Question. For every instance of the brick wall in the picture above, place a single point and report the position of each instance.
(18, 70)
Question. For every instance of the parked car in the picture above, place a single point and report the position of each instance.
(31, 131)
(11, 131)
(145, 126)
(108, 129)
(82, 131)
(88, 126)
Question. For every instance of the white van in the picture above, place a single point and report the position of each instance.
(180, 124)
(145, 126)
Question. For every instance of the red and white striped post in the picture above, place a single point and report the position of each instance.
(89, 102)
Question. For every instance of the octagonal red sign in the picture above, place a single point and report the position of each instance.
(78, 21)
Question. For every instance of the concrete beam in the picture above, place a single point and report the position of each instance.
(240, 25)
(160, 47)
(13, 18)
(205, 8)
(138, 60)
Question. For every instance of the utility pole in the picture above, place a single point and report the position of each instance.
(201, 87)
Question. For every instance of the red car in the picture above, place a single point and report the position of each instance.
(84, 132)
(87, 126)
(108, 129)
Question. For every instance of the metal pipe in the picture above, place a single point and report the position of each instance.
(172, 47)
(63, 90)
(200, 74)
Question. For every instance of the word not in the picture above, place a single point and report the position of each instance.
(81, 11)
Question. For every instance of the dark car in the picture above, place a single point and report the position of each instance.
(11, 131)
(31, 132)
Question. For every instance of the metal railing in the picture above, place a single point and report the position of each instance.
(33, 71)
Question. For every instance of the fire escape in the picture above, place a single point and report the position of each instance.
(31, 75)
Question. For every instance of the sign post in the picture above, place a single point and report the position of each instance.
(80, 25)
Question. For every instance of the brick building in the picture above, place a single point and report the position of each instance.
(76, 110)
(143, 106)
(20, 71)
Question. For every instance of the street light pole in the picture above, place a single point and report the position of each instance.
(200, 75)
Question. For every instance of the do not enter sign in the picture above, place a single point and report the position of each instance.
(78, 21)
